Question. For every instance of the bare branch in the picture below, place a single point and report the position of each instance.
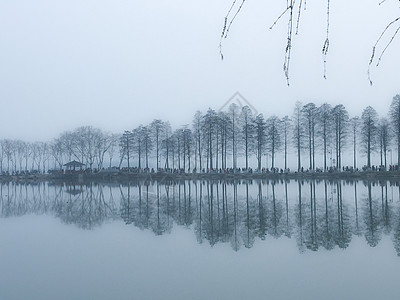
(388, 44)
(298, 17)
(280, 16)
(384, 50)
(226, 27)
(325, 47)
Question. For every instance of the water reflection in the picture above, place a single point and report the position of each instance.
(317, 214)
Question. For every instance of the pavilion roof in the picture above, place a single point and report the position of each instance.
(74, 163)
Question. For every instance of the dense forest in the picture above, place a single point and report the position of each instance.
(317, 136)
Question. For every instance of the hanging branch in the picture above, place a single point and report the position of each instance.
(387, 46)
(384, 50)
(224, 29)
(325, 47)
(227, 26)
(298, 17)
(288, 50)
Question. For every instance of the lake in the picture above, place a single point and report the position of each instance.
(236, 239)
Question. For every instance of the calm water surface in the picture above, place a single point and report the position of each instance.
(200, 240)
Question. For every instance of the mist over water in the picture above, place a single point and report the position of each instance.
(200, 240)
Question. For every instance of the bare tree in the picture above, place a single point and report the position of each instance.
(166, 134)
(274, 141)
(157, 128)
(394, 114)
(324, 128)
(384, 139)
(209, 133)
(1, 155)
(148, 143)
(298, 132)
(309, 116)
(369, 131)
(138, 144)
(234, 114)
(355, 123)
(341, 118)
(197, 125)
(103, 142)
(57, 152)
(246, 120)
(260, 136)
(114, 138)
(126, 147)
(286, 126)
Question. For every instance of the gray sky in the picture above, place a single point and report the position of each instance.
(117, 64)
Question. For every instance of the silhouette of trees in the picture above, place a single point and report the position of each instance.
(215, 137)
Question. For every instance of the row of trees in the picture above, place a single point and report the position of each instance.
(217, 139)
(221, 140)
(85, 144)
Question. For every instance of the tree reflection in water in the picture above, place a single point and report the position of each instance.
(318, 214)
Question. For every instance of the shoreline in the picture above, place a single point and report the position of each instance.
(161, 176)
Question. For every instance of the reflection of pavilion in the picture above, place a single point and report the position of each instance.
(72, 165)
(71, 189)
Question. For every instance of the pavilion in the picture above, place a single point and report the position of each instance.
(72, 165)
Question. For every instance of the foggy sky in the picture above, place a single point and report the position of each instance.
(118, 64)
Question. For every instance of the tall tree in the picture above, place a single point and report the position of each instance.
(234, 114)
(148, 143)
(355, 123)
(286, 126)
(260, 136)
(138, 143)
(298, 132)
(369, 131)
(157, 128)
(197, 125)
(394, 113)
(126, 146)
(273, 137)
(309, 116)
(246, 120)
(224, 124)
(209, 133)
(384, 139)
(341, 119)
(324, 128)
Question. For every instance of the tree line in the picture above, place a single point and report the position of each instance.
(222, 140)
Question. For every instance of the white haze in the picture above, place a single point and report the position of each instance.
(118, 64)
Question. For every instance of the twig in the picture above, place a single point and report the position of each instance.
(280, 16)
